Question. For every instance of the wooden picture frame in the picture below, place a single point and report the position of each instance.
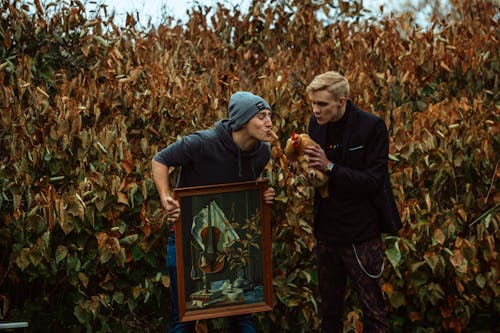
(223, 250)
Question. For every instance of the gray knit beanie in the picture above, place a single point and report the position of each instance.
(243, 105)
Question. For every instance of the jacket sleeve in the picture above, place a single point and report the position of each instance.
(367, 175)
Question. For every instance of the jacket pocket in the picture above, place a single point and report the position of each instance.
(355, 156)
(355, 148)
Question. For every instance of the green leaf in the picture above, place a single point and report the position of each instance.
(419, 278)
(73, 263)
(35, 257)
(81, 314)
(61, 253)
(394, 255)
(105, 254)
(432, 260)
(118, 297)
(397, 299)
(137, 253)
(480, 280)
(22, 260)
(129, 240)
(101, 41)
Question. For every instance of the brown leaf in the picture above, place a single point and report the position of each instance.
(445, 311)
(128, 165)
(439, 236)
(457, 259)
(201, 327)
(7, 40)
(415, 316)
(122, 198)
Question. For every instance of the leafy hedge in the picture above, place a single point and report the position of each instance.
(86, 103)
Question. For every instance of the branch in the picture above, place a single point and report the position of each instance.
(492, 209)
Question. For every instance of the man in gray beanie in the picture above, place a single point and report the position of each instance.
(243, 105)
(234, 150)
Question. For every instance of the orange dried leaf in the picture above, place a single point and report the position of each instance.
(439, 236)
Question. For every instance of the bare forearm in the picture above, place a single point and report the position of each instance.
(161, 179)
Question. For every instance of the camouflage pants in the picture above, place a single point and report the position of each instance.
(337, 263)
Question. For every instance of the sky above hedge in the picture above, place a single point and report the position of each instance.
(155, 9)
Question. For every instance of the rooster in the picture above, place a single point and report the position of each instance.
(294, 151)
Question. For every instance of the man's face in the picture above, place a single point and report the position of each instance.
(326, 108)
(260, 126)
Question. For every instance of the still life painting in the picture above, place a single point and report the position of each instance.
(223, 250)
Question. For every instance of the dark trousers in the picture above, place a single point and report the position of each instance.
(337, 263)
(240, 323)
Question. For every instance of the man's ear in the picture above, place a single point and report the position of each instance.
(342, 100)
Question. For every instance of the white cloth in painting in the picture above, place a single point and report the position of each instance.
(219, 220)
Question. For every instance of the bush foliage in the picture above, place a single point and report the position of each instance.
(86, 103)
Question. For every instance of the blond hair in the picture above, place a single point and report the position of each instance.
(331, 81)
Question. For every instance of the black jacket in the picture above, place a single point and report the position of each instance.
(361, 203)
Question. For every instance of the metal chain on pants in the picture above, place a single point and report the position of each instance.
(363, 268)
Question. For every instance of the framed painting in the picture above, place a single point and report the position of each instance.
(223, 250)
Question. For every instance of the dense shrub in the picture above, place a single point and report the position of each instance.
(86, 103)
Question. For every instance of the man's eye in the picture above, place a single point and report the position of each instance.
(322, 104)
